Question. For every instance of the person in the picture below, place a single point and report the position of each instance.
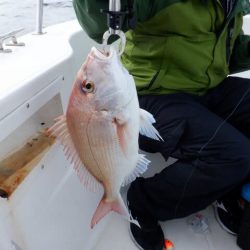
(181, 54)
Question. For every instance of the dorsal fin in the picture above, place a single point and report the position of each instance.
(61, 132)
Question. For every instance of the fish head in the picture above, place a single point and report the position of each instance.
(102, 83)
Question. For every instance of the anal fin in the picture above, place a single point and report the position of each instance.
(141, 167)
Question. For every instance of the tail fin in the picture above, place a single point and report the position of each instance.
(104, 208)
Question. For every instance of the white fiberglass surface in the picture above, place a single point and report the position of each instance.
(116, 235)
(29, 69)
(52, 210)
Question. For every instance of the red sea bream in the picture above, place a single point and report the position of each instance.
(100, 129)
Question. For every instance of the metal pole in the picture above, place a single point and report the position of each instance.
(39, 18)
(114, 5)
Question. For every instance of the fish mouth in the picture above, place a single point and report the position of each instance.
(101, 55)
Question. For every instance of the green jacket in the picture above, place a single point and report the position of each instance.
(177, 45)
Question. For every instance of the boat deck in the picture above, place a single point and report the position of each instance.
(117, 235)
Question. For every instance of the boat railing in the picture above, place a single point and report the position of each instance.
(39, 18)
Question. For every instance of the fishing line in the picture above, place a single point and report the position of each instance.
(224, 121)
(205, 145)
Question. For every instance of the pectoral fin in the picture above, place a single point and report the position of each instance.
(122, 117)
(120, 120)
(120, 132)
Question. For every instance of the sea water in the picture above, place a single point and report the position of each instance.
(15, 14)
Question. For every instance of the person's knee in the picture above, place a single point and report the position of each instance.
(241, 157)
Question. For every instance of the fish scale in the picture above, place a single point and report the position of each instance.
(107, 148)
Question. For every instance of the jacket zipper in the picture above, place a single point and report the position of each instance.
(229, 23)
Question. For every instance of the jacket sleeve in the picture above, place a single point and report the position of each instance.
(94, 22)
(240, 59)
(91, 19)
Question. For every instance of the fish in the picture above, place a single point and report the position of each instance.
(100, 129)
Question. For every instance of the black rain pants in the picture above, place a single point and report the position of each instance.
(209, 135)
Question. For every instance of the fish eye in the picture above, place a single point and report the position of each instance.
(88, 86)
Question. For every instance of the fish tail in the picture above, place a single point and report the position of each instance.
(105, 207)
